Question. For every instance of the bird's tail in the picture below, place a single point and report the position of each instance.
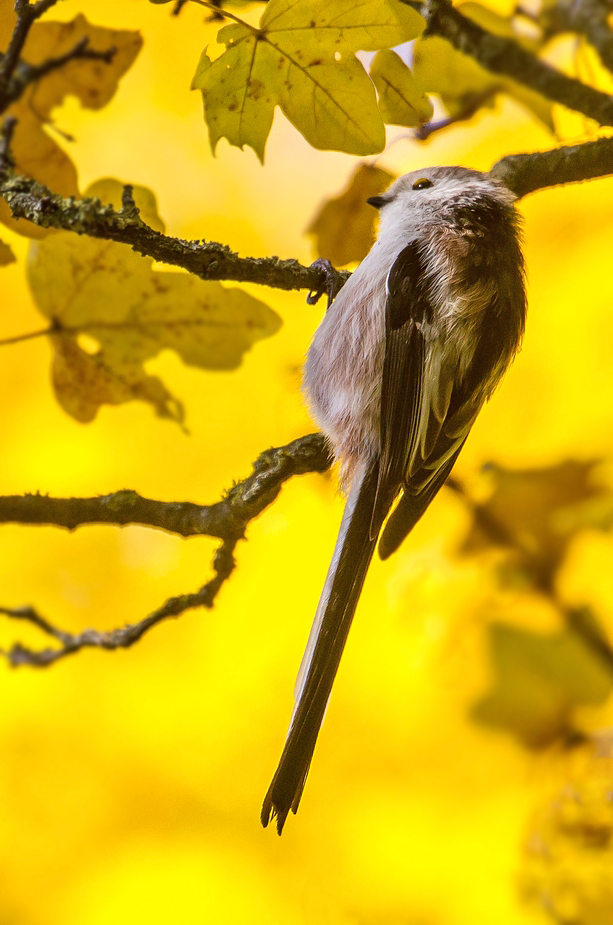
(352, 554)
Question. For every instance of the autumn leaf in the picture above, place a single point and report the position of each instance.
(129, 312)
(462, 84)
(540, 679)
(6, 255)
(400, 101)
(536, 512)
(344, 227)
(93, 82)
(302, 58)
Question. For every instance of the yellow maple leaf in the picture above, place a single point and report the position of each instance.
(130, 312)
(302, 58)
(400, 100)
(344, 227)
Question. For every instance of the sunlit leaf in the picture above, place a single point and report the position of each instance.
(537, 511)
(400, 101)
(6, 254)
(302, 59)
(344, 227)
(131, 312)
(92, 82)
(538, 680)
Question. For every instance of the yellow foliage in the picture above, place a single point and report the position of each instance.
(131, 782)
(344, 227)
(400, 101)
(302, 58)
(106, 291)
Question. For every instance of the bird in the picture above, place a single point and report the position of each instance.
(405, 357)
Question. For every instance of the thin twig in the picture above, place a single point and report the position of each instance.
(471, 108)
(5, 341)
(227, 519)
(27, 14)
(27, 74)
(123, 637)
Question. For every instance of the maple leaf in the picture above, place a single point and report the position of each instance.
(400, 100)
(539, 679)
(302, 58)
(106, 291)
(344, 227)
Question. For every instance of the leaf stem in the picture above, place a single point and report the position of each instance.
(4, 342)
(216, 9)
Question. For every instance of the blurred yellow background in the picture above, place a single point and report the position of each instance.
(131, 782)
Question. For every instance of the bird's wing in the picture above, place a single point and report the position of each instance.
(425, 413)
(416, 384)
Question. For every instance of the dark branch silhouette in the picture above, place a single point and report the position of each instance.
(228, 518)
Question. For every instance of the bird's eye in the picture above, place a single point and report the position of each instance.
(422, 183)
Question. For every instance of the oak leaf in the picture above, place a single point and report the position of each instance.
(111, 312)
(302, 58)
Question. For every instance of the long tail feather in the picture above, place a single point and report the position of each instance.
(352, 556)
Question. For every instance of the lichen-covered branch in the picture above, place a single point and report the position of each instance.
(505, 56)
(227, 519)
(213, 261)
(209, 260)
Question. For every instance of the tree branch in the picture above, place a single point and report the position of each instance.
(27, 14)
(207, 259)
(227, 519)
(527, 173)
(123, 637)
(586, 17)
(28, 199)
(27, 74)
(505, 56)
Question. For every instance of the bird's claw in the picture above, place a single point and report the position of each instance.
(330, 282)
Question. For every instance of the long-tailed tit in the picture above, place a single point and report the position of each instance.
(414, 344)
